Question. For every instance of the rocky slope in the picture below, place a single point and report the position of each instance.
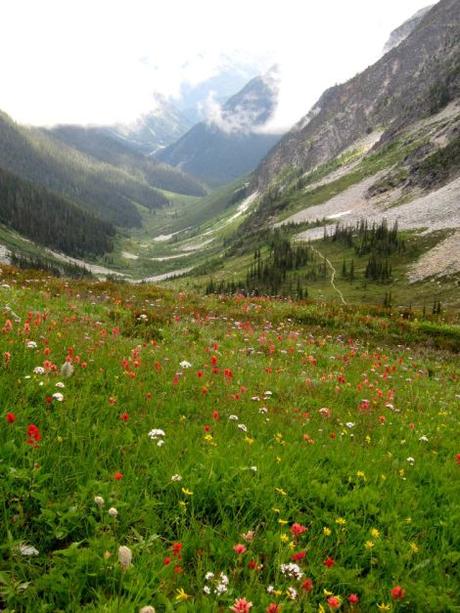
(402, 32)
(415, 79)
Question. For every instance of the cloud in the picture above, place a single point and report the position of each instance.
(250, 111)
(100, 62)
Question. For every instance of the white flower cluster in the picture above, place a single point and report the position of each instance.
(291, 570)
(219, 583)
(185, 364)
(157, 435)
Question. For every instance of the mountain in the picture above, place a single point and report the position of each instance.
(106, 191)
(231, 141)
(101, 144)
(50, 220)
(402, 32)
(153, 130)
(230, 76)
(415, 79)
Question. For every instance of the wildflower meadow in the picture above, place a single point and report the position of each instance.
(162, 451)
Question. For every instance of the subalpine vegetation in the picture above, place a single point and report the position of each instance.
(50, 220)
(285, 267)
(170, 452)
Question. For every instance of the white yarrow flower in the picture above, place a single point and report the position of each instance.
(58, 396)
(185, 364)
(31, 345)
(112, 512)
(39, 370)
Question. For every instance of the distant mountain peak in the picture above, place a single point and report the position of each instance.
(248, 110)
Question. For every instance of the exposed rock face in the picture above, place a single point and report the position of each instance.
(416, 78)
(403, 31)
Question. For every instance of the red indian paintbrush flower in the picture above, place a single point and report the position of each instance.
(239, 548)
(34, 435)
(398, 593)
(298, 529)
(10, 417)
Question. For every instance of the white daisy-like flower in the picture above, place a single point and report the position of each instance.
(112, 512)
(350, 425)
(410, 460)
(233, 417)
(39, 370)
(60, 385)
(242, 427)
(58, 396)
(176, 478)
(185, 364)
(31, 345)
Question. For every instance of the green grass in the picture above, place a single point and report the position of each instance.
(379, 497)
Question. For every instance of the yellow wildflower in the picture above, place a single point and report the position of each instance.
(414, 547)
(369, 545)
(187, 492)
(384, 607)
(249, 440)
(182, 595)
(280, 491)
(375, 533)
(283, 522)
(284, 538)
(340, 521)
(327, 531)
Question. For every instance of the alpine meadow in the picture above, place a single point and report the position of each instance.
(230, 328)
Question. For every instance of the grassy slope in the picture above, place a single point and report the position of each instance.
(385, 520)
(360, 290)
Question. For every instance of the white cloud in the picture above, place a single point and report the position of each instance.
(99, 61)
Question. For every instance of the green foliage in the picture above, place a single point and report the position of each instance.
(102, 189)
(107, 148)
(343, 416)
(50, 220)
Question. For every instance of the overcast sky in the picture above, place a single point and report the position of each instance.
(99, 61)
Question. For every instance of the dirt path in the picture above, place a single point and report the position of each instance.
(333, 273)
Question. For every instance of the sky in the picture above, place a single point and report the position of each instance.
(101, 61)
